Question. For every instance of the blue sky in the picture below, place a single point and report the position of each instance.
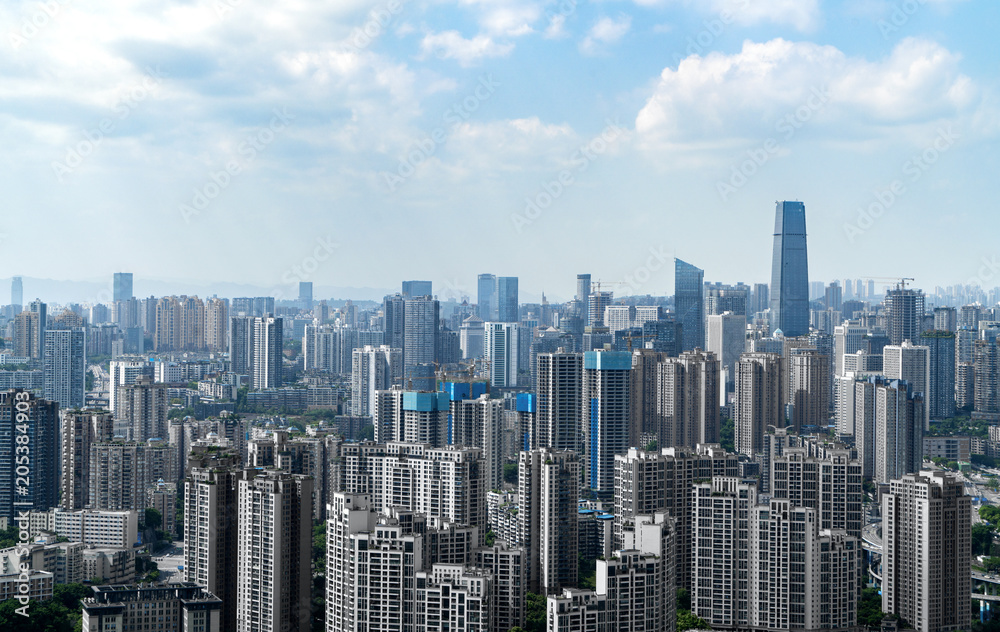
(228, 140)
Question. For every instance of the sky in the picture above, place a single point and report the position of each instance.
(355, 143)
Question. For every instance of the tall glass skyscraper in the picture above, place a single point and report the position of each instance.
(507, 300)
(486, 300)
(16, 291)
(790, 271)
(122, 286)
(689, 303)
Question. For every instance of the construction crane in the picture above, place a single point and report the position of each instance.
(899, 281)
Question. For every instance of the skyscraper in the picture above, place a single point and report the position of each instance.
(548, 488)
(507, 300)
(306, 295)
(912, 363)
(687, 400)
(122, 286)
(809, 393)
(274, 545)
(727, 333)
(904, 311)
(500, 346)
(141, 410)
(558, 410)
(790, 271)
(689, 303)
(926, 553)
(898, 430)
(421, 327)
(28, 342)
(486, 298)
(267, 353)
(607, 380)
(26, 420)
(216, 325)
(583, 292)
(759, 402)
(373, 369)
(80, 429)
(941, 398)
(65, 360)
(16, 291)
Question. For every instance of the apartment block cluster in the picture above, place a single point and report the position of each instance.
(717, 441)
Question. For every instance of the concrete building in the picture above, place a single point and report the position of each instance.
(80, 430)
(141, 410)
(163, 607)
(830, 484)
(726, 339)
(373, 369)
(548, 488)
(65, 366)
(758, 403)
(926, 553)
(217, 325)
(559, 406)
(904, 310)
(809, 393)
(500, 350)
(912, 363)
(605, 420)
(687, 400)
(478, 423)
(32, 424)
(414, 417)
(790, 271)
(274, 548)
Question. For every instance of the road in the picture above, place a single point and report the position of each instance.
(167, 562)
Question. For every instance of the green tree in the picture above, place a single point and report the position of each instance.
(683, 599)
(490, 538)
(870, 608)
(534, 613)
(652, 446)
(153, 519)
(510, 473)
(687, 621)
(990, 513)
(319, 547)
(727, 436)
(367, 433)
(982, 539)
(588, 573)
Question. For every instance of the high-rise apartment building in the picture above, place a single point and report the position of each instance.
(912, 363)
(687, 399)
(31, 422)
(606, 401)
(945, 319)
(217, 325)
(809, 394)
(926, 551)
(177, 607)
(266, 359)
(597, 305)
(65, 359)
(986, 376)
(413, 289)
(476, 421)
(559, 406)
(274, 549)
(904, 310)
(141, 410)
(759, 403)
(941, 395)
(411, 416)
(421, 325)
(501, 351)
(548, 489)
(211, 525)
(373, 369)
(790, 271)
(80, 430)
(689, 303)
(898, 430)
(829, 483)
(726, 338)
(121, 472)
(28, 342)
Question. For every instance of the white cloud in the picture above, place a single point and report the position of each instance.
(605, 31)
(723, 98)
(451, 45)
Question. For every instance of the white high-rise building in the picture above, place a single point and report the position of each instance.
(500, 346)
(268, 353)
(124, 372)
(726, 338)
(926, 551)
(897, 429)
(558, 413)
(373, 369)
(911, 363)
(479, 423)
(847, 339)
(274, 549)
(471, 338)
(321, 348)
